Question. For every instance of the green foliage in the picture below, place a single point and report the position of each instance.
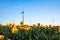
(33, 34)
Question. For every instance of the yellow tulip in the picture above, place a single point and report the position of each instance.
(50, 26)
(21, 23)
(31, 26)
(14, 30)
(9, 25)
(0, 25)
(1, 37)
(18, 26)
(59, 29)
(13, 25)
(22, 28)
(27, 28)
(44, 27)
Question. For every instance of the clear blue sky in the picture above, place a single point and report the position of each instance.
(35, 11)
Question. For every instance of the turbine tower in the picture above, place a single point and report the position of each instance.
(23, 16)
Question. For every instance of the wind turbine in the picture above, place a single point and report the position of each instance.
(22, 16)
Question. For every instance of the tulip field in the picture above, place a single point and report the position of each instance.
(11, 31)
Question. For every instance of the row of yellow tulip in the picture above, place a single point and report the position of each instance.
(15, 28)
